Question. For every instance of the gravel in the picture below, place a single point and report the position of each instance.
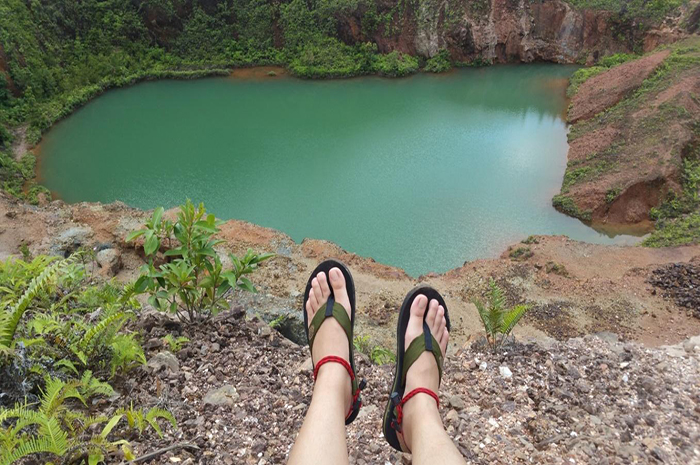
(586, 400)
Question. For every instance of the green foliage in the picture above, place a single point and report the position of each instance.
(612, 194)
(440, 63)
(583, 74)
(677, 231)
(17, 178)
(57, 428)
(193, 282)
(645, 11)
(556, 268)
(678, 217)
(521, 253)
(378, 354)
(567, 205)
(530, 240)
(395, 64)
(175, 343)
(498, 321)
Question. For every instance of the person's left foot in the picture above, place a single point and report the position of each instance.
(330, 337)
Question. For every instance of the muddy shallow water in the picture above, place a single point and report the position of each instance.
(422, 173)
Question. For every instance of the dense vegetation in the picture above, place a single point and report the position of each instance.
(65, 339)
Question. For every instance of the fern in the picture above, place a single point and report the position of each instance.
(126, 353)
(11, 317)
(497, 320)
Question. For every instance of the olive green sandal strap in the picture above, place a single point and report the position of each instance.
(427, 343)
(333, 310)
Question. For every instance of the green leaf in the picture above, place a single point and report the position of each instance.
(95, 457)
(134, 234)
(511, 318)
(175, 252)
(157, 214)
(205, 226)
(151, 245)
(110, 426)
(245, 284)
(262, 257)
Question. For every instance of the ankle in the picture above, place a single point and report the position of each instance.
(420, 411)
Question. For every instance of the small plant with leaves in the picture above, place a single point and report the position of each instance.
(193, 283)
(498, 320)
(378, 354)
(58, 426)
(175, 343)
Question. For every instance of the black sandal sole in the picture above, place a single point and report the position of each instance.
(325, 267)
(404, 316)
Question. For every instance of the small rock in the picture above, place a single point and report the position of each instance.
(452, 416)
(109, 261)
(457, 403)
(505, 372)
(164, 359)
(225, 395)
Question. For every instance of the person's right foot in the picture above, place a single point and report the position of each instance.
(424, 371)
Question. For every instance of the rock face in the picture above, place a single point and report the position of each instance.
(493, 30)
(499, 31)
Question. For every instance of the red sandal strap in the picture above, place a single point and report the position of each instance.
(406, 398)
(346, 364)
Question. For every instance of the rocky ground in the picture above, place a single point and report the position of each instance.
(574, 288)
(240, 391)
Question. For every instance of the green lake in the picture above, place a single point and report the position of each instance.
(423, 173)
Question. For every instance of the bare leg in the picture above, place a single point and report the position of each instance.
(423, 432)
(321, 439)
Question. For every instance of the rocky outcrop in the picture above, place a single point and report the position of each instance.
(498, 31)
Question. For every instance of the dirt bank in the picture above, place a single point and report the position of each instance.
(634, 124)
(575, 288)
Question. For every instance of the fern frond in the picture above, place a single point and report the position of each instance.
(496, 297)
(102, 326)
(8, 325)
(29, 447)
(154, 414)
(484, 315)
(56, 392)
(511, 318)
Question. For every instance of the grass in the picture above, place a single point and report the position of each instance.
(566, 204)
(521, 253)
(673, 232)
(647, 12)
(583, 74)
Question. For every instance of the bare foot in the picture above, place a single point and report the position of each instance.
(424, 372)
(330, 337)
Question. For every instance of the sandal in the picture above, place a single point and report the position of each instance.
(405, 357)
(337, 311)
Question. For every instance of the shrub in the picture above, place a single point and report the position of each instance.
(378, 354)
(395, 64)
(530, 240)
(193, 283)
(175, 343)
(440, 63)
(497, 320)
(521, 253)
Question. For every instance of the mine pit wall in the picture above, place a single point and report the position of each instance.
(505, 31)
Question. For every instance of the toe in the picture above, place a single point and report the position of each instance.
(340, 291)
(323, 282)
(309, 309)
(316, 286)
(312, 299)
(432, 314)
(415, 322)
(443, 340)
(441, 330)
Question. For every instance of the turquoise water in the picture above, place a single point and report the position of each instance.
(423, 173)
